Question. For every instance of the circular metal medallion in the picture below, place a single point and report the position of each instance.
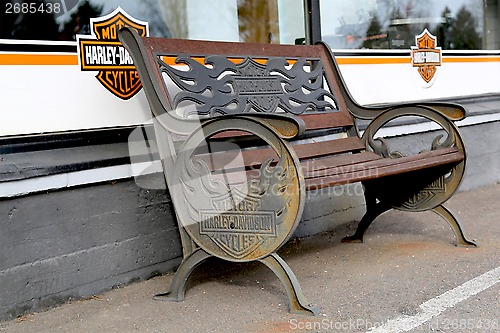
(238, 213)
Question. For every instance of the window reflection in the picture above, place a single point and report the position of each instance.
(393, 24)
(266, 21)
(258, 21)
(353, 24)
(65, 26)
(271, 21)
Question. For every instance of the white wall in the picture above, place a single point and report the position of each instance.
(384, 83)
(51, 98)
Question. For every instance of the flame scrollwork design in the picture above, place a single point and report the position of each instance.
(219, 86)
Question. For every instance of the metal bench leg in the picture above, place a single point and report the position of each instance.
(178, 287)
(455, 225)
(373, 209)
(297, 301)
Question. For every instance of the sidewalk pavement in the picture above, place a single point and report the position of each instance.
(407, 259)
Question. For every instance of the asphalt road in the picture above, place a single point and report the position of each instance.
(407, 276)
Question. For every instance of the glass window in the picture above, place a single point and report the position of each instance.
(393, 24)
(271, 21)
(64, 19)
(268, 21)
(258, 21)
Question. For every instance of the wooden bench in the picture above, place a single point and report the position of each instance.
(245, 130)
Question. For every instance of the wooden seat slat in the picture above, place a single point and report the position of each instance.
(365, 166)
(384, 167)
(321, 164)
(366, 160)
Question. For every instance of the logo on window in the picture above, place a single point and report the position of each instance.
(426, 56)
(101, 51)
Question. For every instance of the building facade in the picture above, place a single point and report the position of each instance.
(77, 218)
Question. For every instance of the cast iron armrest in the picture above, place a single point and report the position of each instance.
(443, 115)
(451, 111)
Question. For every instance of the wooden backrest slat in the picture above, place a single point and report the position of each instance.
(327, 120)
(312, 121)
(331, 147)
(202, 48)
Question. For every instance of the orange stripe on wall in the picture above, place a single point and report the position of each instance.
(471, 59)
(170, 60)
(38, 59)
(407, 60)
(372, 61)
(72, 59)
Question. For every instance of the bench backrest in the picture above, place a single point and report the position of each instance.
(185, 80)
(203, 79)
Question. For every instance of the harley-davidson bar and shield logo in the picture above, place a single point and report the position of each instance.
(104, 53)
(239, 228)
(426, 56)
(236, 221)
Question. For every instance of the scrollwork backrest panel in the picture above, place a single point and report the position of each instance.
(217, 85)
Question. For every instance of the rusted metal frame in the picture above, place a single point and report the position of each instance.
(262, 129)
(442, 185)
(192, 259)
(453, 139)
(373, 210)
(177, 289)
(375, 207)
(160, 108)
(442, 113)
(455, 225)
(452, 111)
(286, 276)
(390, 193)
(297, 302)
(195, 255)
